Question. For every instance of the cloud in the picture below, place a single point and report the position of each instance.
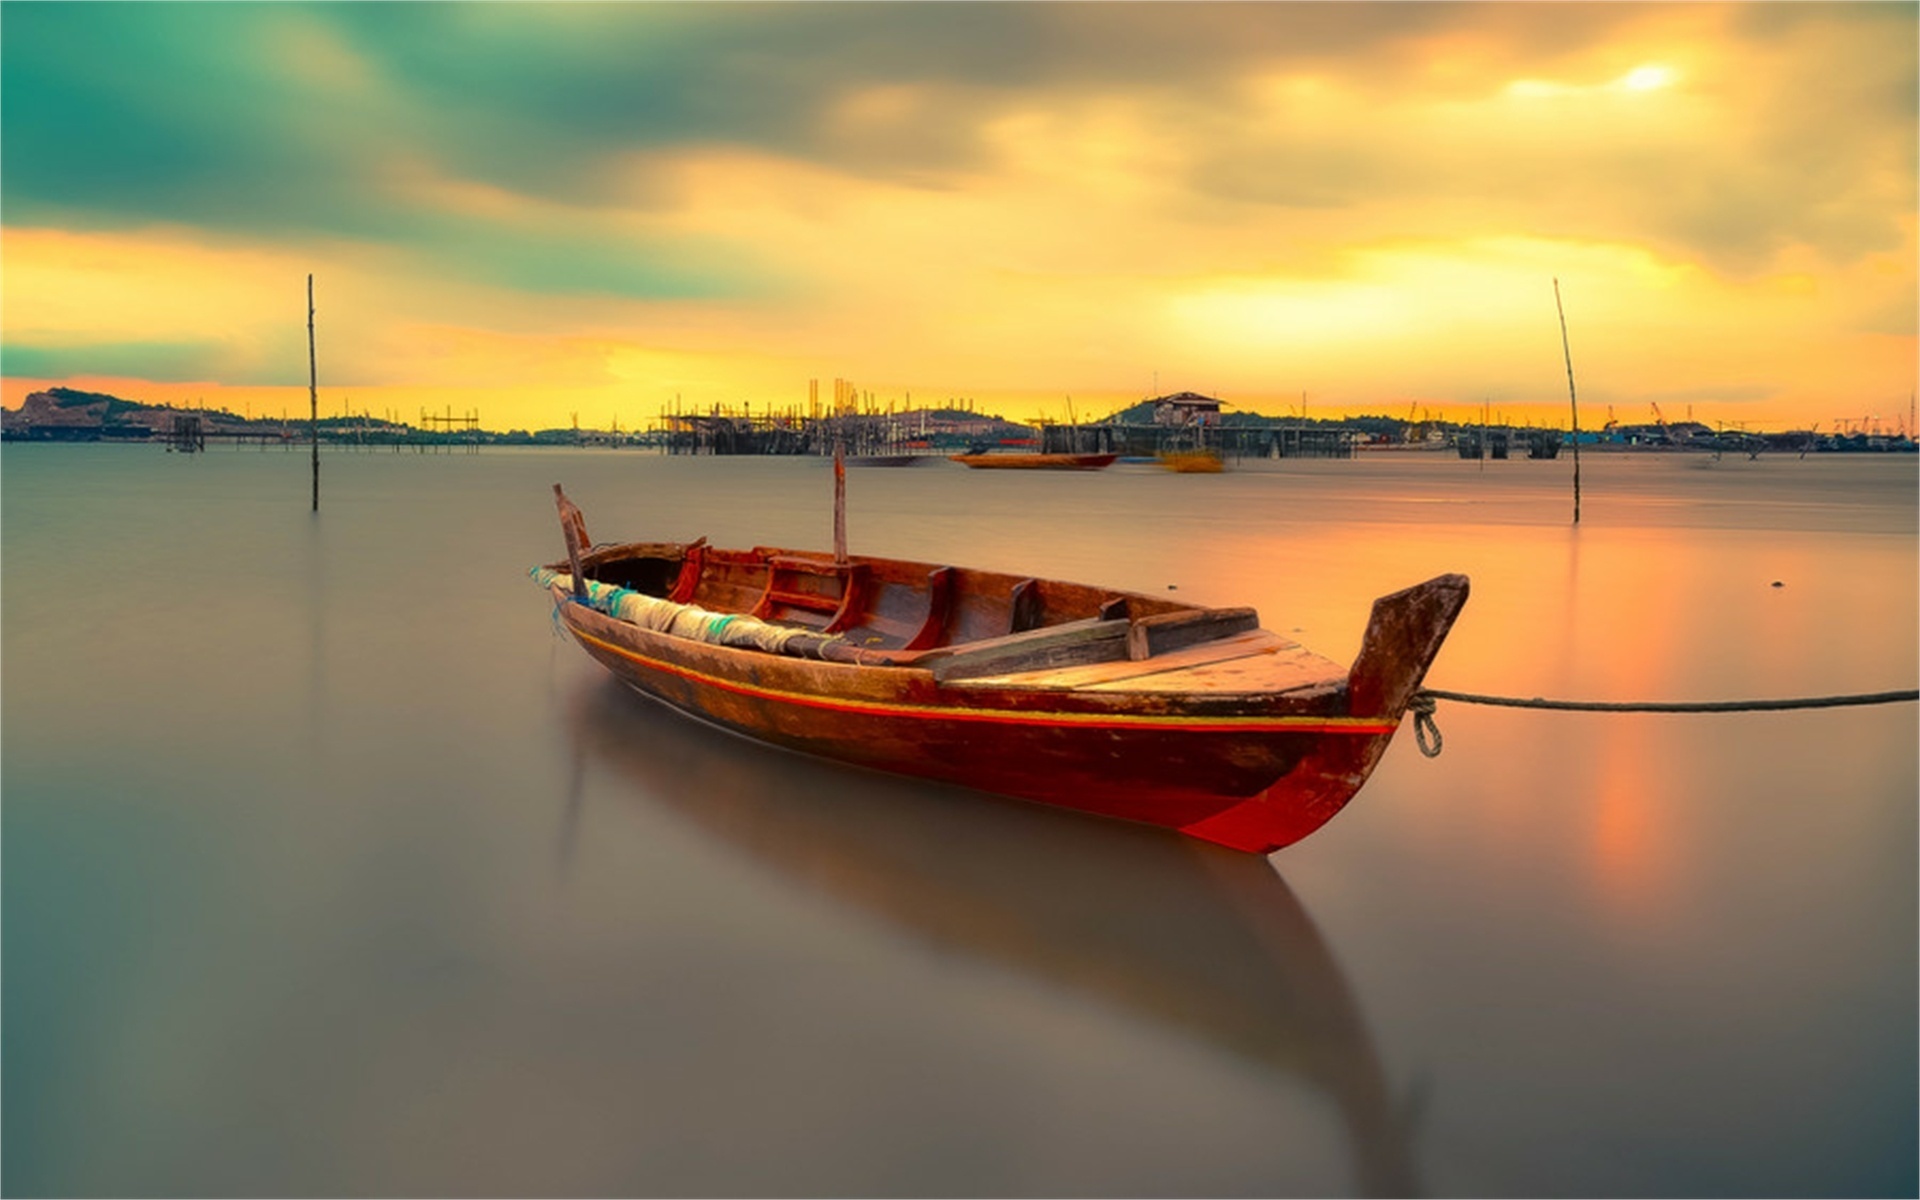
(161, 361)
(1741, 150)
(993, 195)
(270, 121)
(291, 118)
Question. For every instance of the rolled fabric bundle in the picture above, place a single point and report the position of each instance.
(683, 620)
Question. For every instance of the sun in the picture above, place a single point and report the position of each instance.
(1647, 78)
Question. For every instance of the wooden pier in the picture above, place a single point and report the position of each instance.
(1230, 441)
(186, 434)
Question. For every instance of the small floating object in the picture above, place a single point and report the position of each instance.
(1038, 462)
(1117, 703)
(1193, 462)
(890, 460)
(1777, 583)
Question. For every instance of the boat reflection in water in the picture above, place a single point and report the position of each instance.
(1157, 926)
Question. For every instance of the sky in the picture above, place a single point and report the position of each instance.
(553, 212)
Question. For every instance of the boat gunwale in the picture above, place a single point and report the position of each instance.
(910, 690)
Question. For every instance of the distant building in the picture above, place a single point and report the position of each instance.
(1184, 409)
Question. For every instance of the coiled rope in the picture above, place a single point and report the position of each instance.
(1426, 732)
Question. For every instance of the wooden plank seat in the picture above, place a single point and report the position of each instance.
(1243, 663)
(692, 561)
(786, 590)
(1165, 632)
(1071, 643)
(939, 605)
(1023, 606)
(1107, 638)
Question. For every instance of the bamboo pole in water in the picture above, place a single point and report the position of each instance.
(313, 398)
(1572, 399)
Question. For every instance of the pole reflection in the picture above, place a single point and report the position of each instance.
(1165, 929)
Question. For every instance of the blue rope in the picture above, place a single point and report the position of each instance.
(611, 598)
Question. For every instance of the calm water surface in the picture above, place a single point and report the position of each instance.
(328, 869)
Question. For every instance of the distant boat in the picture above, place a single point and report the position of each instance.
(1193, 462)
(1121, 704)
(890, 460)
(1038, 462)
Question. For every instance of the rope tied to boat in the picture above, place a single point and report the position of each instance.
(1427, 733)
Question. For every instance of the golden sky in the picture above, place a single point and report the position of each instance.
(536, 211)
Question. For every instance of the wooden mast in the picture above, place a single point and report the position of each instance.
(839, 502)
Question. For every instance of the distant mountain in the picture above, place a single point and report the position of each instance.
(63, 414)
(69, 414)
(71, 398)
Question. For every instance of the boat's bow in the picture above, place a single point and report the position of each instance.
(1404, 634)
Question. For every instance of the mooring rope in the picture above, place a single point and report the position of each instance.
(1427, 734)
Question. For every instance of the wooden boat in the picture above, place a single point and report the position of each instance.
(1038, 462)
(1193, 462)
(1123, 704)
(890, 460)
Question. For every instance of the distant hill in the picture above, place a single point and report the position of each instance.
(63, 414)
(70, 414)
(70, 398)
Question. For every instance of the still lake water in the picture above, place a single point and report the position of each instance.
(328, 869)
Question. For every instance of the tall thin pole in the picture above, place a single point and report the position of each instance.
(1572, 399)
(313, 398)
(839, 501)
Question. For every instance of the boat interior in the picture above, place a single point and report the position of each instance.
(876, 603)
(965, 624)
(970, 628)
